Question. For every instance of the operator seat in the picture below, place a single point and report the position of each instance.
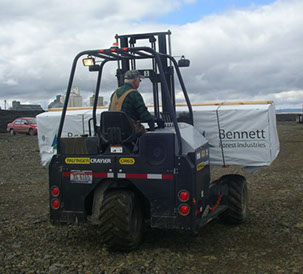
(116, 128)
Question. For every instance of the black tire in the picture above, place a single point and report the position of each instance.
(31, 132)
(237, 199)
(121, 220)
(12, 132)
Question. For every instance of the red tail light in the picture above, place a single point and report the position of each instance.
(55, 191)
(55, 204)
(183, 196)
(184, 209)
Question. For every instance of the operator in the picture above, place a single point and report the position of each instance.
(128, 99)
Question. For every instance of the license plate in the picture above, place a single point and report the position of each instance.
(81, 176)
(116, 149)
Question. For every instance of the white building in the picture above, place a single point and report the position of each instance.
(100, 102)
(75, 99)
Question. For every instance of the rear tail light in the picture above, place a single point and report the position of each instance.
(55, 191)
(55, 204)
(184, 209)
(183, 195)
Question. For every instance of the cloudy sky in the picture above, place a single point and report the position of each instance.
(239, 49)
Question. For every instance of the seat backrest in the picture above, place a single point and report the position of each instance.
(116, 127)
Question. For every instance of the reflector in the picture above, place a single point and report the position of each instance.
(184, 209)
(183, 195)
(55, 204)
(55, 191)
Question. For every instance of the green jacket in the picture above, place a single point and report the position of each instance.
(133, 104)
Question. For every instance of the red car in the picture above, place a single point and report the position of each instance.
(23, 125)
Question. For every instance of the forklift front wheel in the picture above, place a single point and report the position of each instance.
(237, 199)
(121, 220)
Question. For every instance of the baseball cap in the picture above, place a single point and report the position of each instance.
(133, 74)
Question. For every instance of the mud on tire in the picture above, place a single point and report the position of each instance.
(237, 199)
(121, 220)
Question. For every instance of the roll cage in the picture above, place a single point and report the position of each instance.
(126, 54)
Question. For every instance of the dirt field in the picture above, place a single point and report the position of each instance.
(271, 241)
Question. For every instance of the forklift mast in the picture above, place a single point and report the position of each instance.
(164, 48)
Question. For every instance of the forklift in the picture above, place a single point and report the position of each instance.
(120, 182)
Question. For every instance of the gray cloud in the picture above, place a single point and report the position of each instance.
(247, 54)
(240, 55)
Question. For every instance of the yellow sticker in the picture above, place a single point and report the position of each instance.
(203, 153)
(200, 166)
(127, 161)
(77, 161)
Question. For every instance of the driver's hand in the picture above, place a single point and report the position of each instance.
(160, 123)
(151, 125)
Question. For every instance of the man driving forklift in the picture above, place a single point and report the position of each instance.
(128, 99)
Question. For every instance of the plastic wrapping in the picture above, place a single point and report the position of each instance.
(244, 135)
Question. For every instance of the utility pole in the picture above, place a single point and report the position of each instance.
(5, 104)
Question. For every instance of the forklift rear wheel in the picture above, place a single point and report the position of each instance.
(237, 199)
(121, 220)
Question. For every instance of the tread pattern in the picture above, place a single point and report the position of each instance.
(237, 199)
(121, 220)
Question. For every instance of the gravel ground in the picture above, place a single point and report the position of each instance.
(271, 241)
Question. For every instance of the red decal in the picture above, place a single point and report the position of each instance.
(145, 176)
(100, 175)
(167, 176)
(217, 203)
(135, 176)
(66, 174)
